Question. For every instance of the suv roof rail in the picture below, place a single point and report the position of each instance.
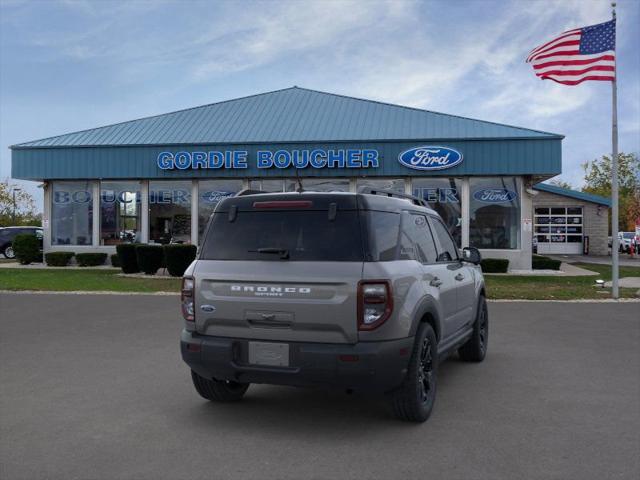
(248, 191)
(390, 193)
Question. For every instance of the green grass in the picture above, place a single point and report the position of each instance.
(557, 288)
(81, 280)
(498, 287)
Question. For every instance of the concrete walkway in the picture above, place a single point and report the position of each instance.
(43, 266)
(624, 259)
(626, 282)
(566, 270)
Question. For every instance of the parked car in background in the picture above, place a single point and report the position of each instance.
(625, 240)
(7, 234)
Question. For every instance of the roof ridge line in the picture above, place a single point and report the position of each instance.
(155, 116)
(379, 102)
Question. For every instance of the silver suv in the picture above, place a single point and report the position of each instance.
(362, 291)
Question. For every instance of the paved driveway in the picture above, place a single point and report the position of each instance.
(92, 387)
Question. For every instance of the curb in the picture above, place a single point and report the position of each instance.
(504, 300)
(80, 292)
(575, 300)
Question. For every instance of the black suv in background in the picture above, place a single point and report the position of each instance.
(7, 234)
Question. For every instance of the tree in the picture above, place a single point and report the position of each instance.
(597, 179)
(25, 207)
(558, 182)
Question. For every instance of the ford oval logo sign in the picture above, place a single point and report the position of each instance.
(495, 195)
(430, 158)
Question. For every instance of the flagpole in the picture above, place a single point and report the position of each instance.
(614, 177)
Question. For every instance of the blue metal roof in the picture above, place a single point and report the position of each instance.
(292, 115)
(565, 192)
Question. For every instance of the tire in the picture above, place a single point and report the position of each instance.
(8, 252)
(476, 347)
(413, 401)
(218, 390)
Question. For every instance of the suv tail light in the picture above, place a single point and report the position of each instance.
(375, 303)
(187, 299)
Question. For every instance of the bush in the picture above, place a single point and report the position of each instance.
(115, 260)
(178, 257)
(58, 259)
(127, 257)
(545, 263)
(150, 258)
(494, 265)
(90, 259)
(27, 248)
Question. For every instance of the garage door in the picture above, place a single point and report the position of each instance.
(558, 229)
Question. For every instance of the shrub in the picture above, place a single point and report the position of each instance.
(545, 263)
(495, 265)
(127, 257)
(178, 257)
(27, 248)
(115, 260)
(149, 258)
(90, 259)
(58, 259)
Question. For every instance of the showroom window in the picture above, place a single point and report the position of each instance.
(119, 212)
(267, 185)
(444, 196)
(72, 213)
(494, 213)
(318, 184)
(170, 212)
(393, 184)
(210, 192)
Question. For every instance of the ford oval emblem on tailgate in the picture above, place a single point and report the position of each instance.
(207, 308)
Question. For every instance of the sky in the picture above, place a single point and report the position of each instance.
(72, 65)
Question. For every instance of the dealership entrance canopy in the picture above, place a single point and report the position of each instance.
(158, 179)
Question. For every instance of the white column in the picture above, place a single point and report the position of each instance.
(464, 207)
(46, 216)
(352, 185)
(95, 237)
(194, 212)
(144, 211)
(408, 186)
(526, 237)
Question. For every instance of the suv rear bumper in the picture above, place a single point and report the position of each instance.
(365, 366)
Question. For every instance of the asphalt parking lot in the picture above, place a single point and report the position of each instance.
(93, 387)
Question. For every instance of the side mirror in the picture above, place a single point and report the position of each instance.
(471, 255)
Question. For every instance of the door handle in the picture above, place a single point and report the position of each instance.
(435, 282)
(459, 277)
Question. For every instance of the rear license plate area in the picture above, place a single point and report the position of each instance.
(269, 354)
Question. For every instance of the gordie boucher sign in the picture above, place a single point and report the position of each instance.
(417, 158)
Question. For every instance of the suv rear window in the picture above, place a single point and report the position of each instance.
(297, 235)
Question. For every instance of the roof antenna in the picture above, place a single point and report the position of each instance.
(299, 181)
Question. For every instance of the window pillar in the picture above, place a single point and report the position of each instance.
(95, 234)
(194, 212)
(408, 186)
(464, 212)
(144, 211)
(46, 217)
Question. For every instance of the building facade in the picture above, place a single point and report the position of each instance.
(570, 222)
(158, 179)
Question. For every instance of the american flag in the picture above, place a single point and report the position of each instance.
(587, 53)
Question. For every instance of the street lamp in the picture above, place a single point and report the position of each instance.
(14, 203)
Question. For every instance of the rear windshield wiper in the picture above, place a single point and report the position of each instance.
(283, 252)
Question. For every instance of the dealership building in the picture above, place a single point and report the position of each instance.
(158, 179)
